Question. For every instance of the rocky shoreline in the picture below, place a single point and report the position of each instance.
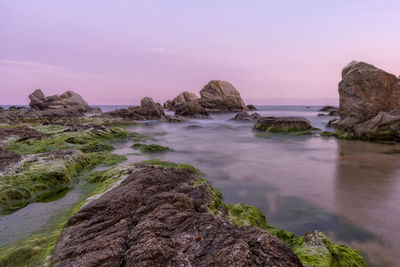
(152, 213)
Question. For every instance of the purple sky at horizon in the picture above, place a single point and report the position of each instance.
(116, 52)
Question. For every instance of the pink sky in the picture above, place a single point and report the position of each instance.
(116, 52)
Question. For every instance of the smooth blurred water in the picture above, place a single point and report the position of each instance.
(347, 189)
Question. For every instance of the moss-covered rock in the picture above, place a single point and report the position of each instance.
(294, 125)
(313, 249)
(150, 147)
(168, 164)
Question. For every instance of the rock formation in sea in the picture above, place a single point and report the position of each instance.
(148, 110)
(282, 124)
(369, 98)
(67, 100)
(245, 116)
(221, 96)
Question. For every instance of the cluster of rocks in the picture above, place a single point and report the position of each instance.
(148, 110)
(282, 124)
(216, 96)
(245, 116)
(369, 103)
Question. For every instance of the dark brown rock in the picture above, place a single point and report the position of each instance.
(156, 217)
(364, 92)
(191, 109)
(21, 132)
(251, 107)
(221, 96)
(7, 158)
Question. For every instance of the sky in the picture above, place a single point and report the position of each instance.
(116, 52)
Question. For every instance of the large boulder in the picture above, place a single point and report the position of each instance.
(68, 100)
(183, 98)
(282, 124)
(221, 96)
(365, 91)
(159, 217)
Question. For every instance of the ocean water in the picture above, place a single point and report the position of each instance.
(347, 189)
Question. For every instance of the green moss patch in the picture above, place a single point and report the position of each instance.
(150, 148)
(168, 164)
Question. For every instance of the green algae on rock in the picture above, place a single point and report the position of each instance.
(150, 147)
(283, 125)
(313, 249)
(168, 164)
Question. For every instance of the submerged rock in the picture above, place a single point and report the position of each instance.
(159, 217)
(282, 124)
(245, 116)
(251, 107)
(221, 96)
(365, 91)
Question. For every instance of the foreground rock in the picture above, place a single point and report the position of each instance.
(384, 126)
(364, 92)
(282, 124)
(245, 116)
(158, 217)
(148, 110)
(221, 96)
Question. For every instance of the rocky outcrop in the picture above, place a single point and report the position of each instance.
(365, 91)
(148, 110)
(68, 100)
(282, 124)
(245, 116)
(168, 105)
(221, 96)
(160, 217)
(384, 126)
(183, 98)
(191, 109)
(251, 107)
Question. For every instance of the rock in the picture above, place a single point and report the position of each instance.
(282, 124)
(182, 99)
(251, 107)
(329, 108)
(22, 133)
(1, 109)
(384, 126)
(331, 113)
(221, 96)
(7, 158)
(158, 217)
(173, 119)
(191, 109)
(148, 110)
(364, 92)
(67, 100)
(244, 116)
(168, 105)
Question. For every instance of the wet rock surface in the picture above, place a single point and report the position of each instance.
(282, 124)
(7, 158)
(221, 96)
(157, 217)
(21, 132)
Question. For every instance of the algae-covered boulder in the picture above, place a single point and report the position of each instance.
(282, 124)
(384, 126)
